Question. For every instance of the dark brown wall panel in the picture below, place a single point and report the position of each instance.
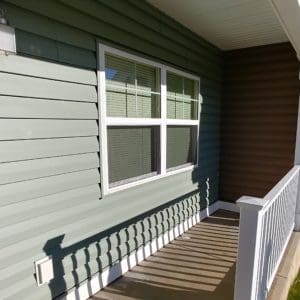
(259, 119)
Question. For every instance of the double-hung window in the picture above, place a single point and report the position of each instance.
(149, 119)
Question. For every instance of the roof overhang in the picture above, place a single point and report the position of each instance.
(236, 24)
(288, 13)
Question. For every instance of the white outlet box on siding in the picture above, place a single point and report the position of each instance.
(7, 39)
(44, 270)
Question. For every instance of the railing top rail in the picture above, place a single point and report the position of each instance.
(265, 202)
(266, 225)
(280, 186)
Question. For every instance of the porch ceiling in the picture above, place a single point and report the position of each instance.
(228, 24)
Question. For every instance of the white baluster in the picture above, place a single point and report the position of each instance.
(297, 215)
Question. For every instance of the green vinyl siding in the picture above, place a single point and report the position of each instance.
(50, 190)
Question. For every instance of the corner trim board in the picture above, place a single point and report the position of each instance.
(100, 281)
(287, 13)
(228, 206)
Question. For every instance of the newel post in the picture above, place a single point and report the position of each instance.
(248, 249)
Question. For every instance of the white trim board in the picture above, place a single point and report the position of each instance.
(288, 14)
(228, 206)
(99, 281)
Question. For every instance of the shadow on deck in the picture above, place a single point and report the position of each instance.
(199, 264)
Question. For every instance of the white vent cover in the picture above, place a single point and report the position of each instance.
(7, 39)
(44, 270)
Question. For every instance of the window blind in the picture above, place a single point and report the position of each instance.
(132, 89)
(181, 145)
(182, 97)
(132, 152)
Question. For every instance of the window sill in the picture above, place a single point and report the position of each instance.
(150, 179)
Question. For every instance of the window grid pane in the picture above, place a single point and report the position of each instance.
(181, 146)
(182, 97)
(132, 89)
(132, 152)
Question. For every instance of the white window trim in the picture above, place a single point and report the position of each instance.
(163, 122)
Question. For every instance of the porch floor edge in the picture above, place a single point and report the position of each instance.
(230, 206)
(101, 280)
(199, 264)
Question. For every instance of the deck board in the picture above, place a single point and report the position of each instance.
(200, 264)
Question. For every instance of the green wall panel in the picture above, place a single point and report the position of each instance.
(43, 47)
(50, 193)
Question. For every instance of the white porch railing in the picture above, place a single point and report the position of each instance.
(265, 229)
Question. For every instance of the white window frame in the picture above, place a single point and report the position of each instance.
(163, 122)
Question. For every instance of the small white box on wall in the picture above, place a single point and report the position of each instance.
(44, 270)
(7, 39)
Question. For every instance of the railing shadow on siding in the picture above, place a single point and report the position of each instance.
(206, 175)
(167, 216)
(206, 179)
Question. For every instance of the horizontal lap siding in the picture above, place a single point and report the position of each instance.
(49, 153)
(259, 119)
(49, 146)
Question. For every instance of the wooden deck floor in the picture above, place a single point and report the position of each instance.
(197, 265)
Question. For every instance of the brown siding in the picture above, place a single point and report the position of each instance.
(259, 119)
